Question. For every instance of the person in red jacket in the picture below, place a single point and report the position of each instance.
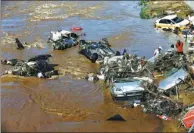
(179, 47)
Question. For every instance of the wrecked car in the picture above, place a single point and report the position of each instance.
(95, 51)
(37, 66)
(127, 87)
(63, 39)
(123, 66)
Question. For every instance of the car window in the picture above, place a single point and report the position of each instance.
(168, 21)
(162, 21)
(165, 21)
(177, 19)
(123, 80)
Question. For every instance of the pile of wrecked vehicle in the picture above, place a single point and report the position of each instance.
(136, 79)
(127, 76)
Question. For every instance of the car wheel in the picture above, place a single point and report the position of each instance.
(94, 57)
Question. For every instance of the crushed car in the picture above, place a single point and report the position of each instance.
(95, 51)
(63, 39)
(37, 66)
(127, 87)
(124, 75)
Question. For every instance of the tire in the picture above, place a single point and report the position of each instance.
(94, 57)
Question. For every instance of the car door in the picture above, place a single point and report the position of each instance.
(88, 50)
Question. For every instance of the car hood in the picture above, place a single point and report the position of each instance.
(184, 22)
(173, 80)
(129, 86)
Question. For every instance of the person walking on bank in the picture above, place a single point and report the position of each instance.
(157, 51)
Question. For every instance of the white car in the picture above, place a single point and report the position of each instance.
(172, 22)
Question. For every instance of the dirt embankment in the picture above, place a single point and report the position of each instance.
(152, 9)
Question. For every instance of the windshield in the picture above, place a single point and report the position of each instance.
(177, 19)
(123, 80)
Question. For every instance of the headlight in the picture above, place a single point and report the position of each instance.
(118, 89)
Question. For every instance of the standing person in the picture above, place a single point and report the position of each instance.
(179, 47)
(178, 36)
(124, 51)
(157, 51)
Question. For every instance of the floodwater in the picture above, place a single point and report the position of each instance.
(70, 103)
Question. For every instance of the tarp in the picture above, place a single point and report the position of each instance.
(188, 119)
(116, 117)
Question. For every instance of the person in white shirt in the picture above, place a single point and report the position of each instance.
(157, 51)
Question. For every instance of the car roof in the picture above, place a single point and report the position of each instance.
(169, 17)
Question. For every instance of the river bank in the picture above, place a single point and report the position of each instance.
(152, 9)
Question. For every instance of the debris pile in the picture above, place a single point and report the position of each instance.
(37, 66)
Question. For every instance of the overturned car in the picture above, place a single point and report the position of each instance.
(95, 51)
(63, 39)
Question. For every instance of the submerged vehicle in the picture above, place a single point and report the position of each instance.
(128, 84)
(172, 22)
(63, 39)
(95, 51)
(128, 87)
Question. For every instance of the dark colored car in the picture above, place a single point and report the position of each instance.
(95, 50)
(64, 43)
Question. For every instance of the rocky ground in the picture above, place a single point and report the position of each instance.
(152, 9)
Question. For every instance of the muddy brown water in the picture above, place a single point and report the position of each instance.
(70, 103)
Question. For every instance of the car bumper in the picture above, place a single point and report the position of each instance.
(127, 94)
